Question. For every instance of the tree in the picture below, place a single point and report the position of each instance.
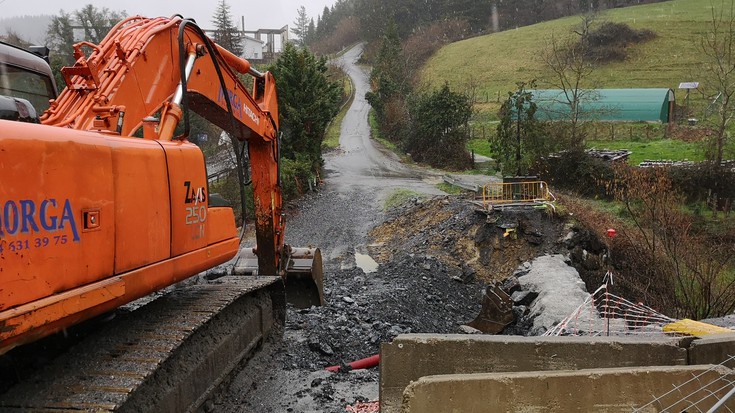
(673, 257)
(718, 47)
(226, 34)
(12, 37)
(571, 70)
(94, 23)
(310, 31)
(325, 23)
(390, 85)
(307, 101)
(439, 132)
(60, 37)
(301, 27)
(518, 141)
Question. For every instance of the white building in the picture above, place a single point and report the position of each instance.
(252, 48)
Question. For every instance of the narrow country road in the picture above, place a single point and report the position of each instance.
(288, 376)
(359, 163)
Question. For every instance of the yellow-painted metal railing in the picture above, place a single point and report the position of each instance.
(498, 193)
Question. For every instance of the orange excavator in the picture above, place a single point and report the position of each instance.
(101, 204)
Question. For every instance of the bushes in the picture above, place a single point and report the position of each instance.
(660, 256)
(432, 126)
(609, 42)
(578, 172)
(298, 176)
(438, 131)
(705, 183)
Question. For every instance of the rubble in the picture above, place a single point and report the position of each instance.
(436, 259)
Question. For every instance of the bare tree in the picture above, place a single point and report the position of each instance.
(66, 29)
(670, 252)
(571, 70)
(12, 37)
(718, 47)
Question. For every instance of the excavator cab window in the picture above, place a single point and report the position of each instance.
(21, 83)
(26, 75)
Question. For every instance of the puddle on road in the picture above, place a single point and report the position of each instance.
(366, 263)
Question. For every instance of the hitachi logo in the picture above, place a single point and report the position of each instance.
(25, 216)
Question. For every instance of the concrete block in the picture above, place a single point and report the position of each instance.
(712, 349)
(596, 390)
(411, 356)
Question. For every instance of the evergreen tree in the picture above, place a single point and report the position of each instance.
(301, 27)
(307, 101)
(439, 132)
(325, 26)
(310, 32)
(226, 34)
(388, 76)
(519, 140)
(390, 86)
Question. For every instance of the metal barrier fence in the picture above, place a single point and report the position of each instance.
(498, 193)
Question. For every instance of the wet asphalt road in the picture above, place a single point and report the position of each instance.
(360, 164)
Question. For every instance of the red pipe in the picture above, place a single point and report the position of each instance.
(365, 363)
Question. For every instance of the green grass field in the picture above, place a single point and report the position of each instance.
(331, 137)
(496, 62)
(662, 149)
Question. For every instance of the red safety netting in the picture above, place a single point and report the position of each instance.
(606, 314)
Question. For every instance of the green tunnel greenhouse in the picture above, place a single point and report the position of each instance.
(614, 105)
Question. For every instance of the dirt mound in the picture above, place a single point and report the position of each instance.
(469, 241)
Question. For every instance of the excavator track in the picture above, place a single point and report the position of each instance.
(167, 356)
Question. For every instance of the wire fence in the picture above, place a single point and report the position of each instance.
(606, 314)
(709, 391)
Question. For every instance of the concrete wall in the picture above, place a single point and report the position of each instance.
(412, 356)
(713, 350)
(599, 390)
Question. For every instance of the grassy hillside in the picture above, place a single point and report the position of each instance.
(496, 62)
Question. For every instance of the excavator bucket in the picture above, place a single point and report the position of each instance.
(496, 312)
(304, 279)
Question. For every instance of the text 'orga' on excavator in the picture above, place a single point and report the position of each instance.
(92, 217)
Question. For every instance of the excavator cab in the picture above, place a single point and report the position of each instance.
(26, 83)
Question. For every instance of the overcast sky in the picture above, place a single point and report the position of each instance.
(259, 14)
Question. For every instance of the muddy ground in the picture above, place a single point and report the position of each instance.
(435, 255)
